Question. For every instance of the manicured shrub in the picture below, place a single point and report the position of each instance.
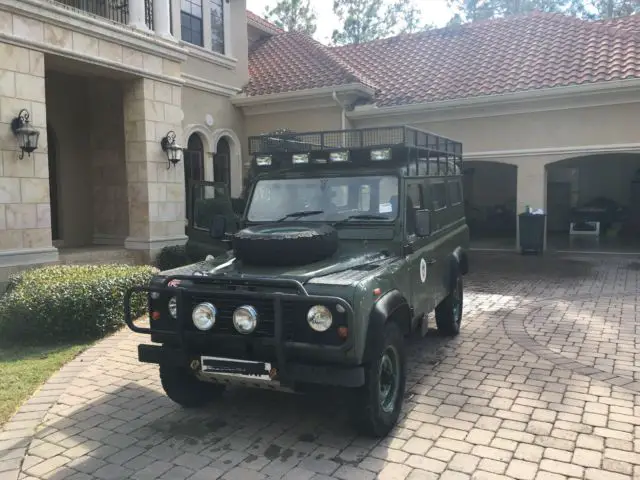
(171, 257)
(69, 302)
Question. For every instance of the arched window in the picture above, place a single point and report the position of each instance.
(193, 166)
(222, 162)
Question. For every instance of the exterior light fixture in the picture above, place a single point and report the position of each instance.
(27, 136)
(173, 150)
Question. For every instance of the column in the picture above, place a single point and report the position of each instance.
(532, 189)
(162, 19)
(156, 193)
(137, 14)
(25, 212)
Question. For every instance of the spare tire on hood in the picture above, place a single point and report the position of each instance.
(285, 244)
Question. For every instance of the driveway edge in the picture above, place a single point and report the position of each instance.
(19, 431)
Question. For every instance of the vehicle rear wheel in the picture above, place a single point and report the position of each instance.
(449, 312)
(377, 404)
(185, 389)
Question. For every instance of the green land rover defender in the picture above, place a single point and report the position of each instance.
(348, 241)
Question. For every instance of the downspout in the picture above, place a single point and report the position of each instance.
(343, 117)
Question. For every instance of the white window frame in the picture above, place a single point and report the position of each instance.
(206, 53)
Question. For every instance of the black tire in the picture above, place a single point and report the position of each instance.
(449, 312)
(186, 390)
(372, 415)
(285, 244)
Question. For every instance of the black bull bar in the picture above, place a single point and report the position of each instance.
(301, 296)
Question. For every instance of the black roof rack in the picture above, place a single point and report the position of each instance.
(377, 137)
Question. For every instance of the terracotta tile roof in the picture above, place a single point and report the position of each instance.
(629, 24)
(263, 24)
(295, 61)
(513, 54)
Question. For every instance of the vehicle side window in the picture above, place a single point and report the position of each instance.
(455, 192)
(415, 202)
(438, 196)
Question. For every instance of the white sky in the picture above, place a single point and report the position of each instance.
(435, 12)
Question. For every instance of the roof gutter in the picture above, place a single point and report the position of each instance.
(243, 100)
(560, 93)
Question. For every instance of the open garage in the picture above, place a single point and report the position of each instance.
(593, 203)
(490, 203)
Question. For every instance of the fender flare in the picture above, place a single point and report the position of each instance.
(390, 306)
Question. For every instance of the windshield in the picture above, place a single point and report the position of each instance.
(325, 199)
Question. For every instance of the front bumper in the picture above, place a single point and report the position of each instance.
(295, 361)
(290, 375)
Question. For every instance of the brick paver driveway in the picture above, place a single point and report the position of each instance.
(542, 383)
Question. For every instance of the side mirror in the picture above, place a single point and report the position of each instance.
(423, 223)
(218, 227)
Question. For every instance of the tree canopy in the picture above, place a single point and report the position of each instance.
(293, 16)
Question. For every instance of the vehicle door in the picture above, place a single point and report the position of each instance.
(206, 199)
(436, 190)
(420, 251)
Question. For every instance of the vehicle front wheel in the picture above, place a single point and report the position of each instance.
(449, 312)
(185, 389)
(378, 403)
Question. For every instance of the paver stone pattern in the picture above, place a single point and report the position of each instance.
(541, 384)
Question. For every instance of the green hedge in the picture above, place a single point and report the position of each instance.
(69, 302)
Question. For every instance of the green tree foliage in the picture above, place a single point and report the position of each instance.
(293, 16)
(367, 20)
(474, 10)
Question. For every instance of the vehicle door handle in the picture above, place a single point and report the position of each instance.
(431, 261)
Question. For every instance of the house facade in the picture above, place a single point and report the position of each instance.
(104, 83)
(544, 105)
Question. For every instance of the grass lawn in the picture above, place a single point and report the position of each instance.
(24, 369)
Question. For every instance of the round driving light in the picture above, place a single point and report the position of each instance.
(173, 307)
(245, 319)
(319, 318)
(204, 316)
(155, 295)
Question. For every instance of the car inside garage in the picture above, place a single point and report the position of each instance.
(593, 203)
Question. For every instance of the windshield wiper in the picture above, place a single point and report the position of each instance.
(362, 216)
(304, 213)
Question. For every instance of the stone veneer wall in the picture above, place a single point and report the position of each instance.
(110, 203)
(25, 217)
(156, 194)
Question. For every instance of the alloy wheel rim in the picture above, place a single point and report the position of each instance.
(388, 379)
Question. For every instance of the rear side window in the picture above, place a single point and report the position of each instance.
(438, 196)
(455, 192)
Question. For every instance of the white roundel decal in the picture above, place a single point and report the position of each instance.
(423, 270)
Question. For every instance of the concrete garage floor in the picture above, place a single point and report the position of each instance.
(543, 383)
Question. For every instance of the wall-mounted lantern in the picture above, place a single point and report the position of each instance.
(26, 135)
(173, 150)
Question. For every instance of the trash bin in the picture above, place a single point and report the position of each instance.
(532, 227)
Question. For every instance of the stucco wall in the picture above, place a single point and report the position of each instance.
(312, 120)
(236, 76)
(228, 121)
(612, 124)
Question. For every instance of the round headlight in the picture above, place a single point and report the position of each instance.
(245, 319)
(173, 307)
(319, 318)
(204, 316)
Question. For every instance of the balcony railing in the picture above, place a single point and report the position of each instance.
(114, 10)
